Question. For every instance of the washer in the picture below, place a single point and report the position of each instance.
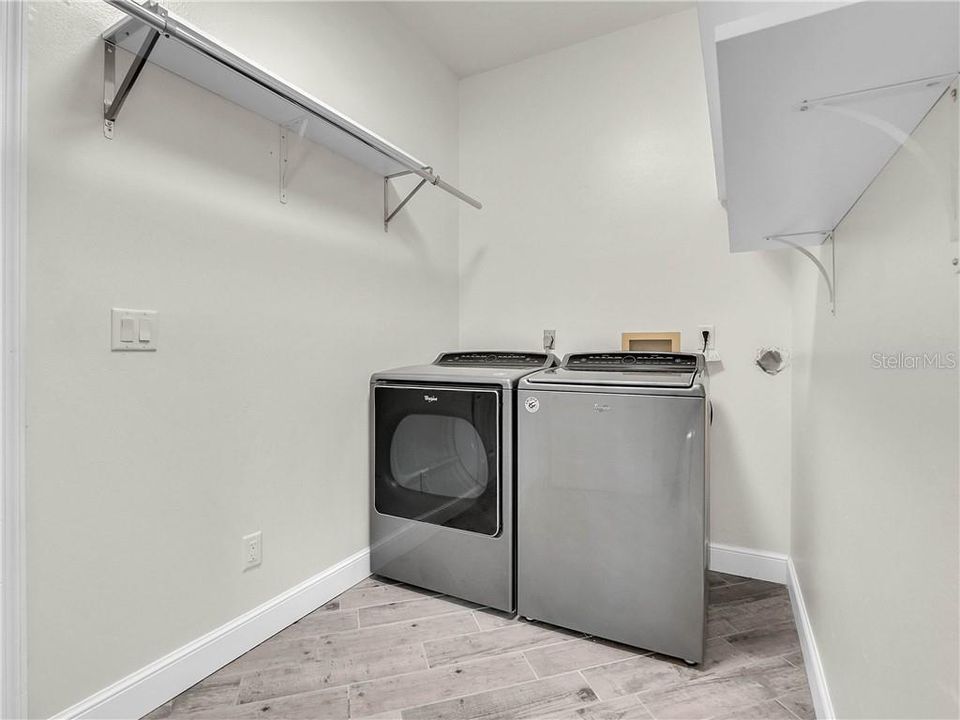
(442, 473)
(612, 498)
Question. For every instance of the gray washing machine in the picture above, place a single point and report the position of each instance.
(442, 473)
(612, 498)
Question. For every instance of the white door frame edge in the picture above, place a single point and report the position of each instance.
(12, 190)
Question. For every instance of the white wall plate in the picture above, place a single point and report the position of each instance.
(133, 330)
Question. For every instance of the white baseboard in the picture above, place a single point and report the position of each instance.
(139, 693)
(822, 704)
(757, 564)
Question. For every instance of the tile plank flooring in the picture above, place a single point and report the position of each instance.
(388, 651)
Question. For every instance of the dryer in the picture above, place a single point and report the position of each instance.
(442, 461)
(612, 498)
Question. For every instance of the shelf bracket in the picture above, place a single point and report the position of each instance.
(113, 96)
(829, 277)
(298, 126)
(389, 214)
(283, 164)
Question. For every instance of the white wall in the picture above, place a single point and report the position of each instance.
(144, 470)
(594, 164)
(875, 461)
(601, 216)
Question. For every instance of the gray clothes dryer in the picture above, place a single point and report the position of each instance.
(442, 457)
(612, 498)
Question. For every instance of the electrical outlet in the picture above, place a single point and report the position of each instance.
(549, 339)
(710, 351)
(711, 339)
(252, 550)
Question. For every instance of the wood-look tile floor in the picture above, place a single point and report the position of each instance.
(387, 650)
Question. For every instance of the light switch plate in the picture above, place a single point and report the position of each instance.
(133, 330)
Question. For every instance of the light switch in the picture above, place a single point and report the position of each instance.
(126, 329)
(133, 330)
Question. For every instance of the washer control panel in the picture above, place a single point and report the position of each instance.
(641, 361)
(495, 359)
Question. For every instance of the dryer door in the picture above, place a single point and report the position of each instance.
(437, 455)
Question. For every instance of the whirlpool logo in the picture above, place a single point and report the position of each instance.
(430, 398)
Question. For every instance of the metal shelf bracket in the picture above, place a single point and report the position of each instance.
(283, 164)
(299, 127)
(389, 214)
(114, 96)
(829, 277)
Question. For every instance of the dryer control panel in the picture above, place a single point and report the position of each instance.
(496, 359)
(639, 361)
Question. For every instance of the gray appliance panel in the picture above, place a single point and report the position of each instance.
(633, 378)
(504, 376)
(466, 565)
(611, 506)
(552, 381)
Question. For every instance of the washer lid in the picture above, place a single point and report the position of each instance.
(627, 369)
(565, 376)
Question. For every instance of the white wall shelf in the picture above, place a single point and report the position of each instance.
(815, 99)
(153, 34)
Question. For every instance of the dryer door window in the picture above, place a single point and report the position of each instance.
(437, 456)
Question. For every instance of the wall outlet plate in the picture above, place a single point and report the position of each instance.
(133, 330)
(252, 550)
(711, 341)
(549, 340)
(710, 353)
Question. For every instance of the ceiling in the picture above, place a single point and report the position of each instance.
(472, 37)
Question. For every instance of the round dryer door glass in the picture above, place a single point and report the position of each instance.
(439, 455)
